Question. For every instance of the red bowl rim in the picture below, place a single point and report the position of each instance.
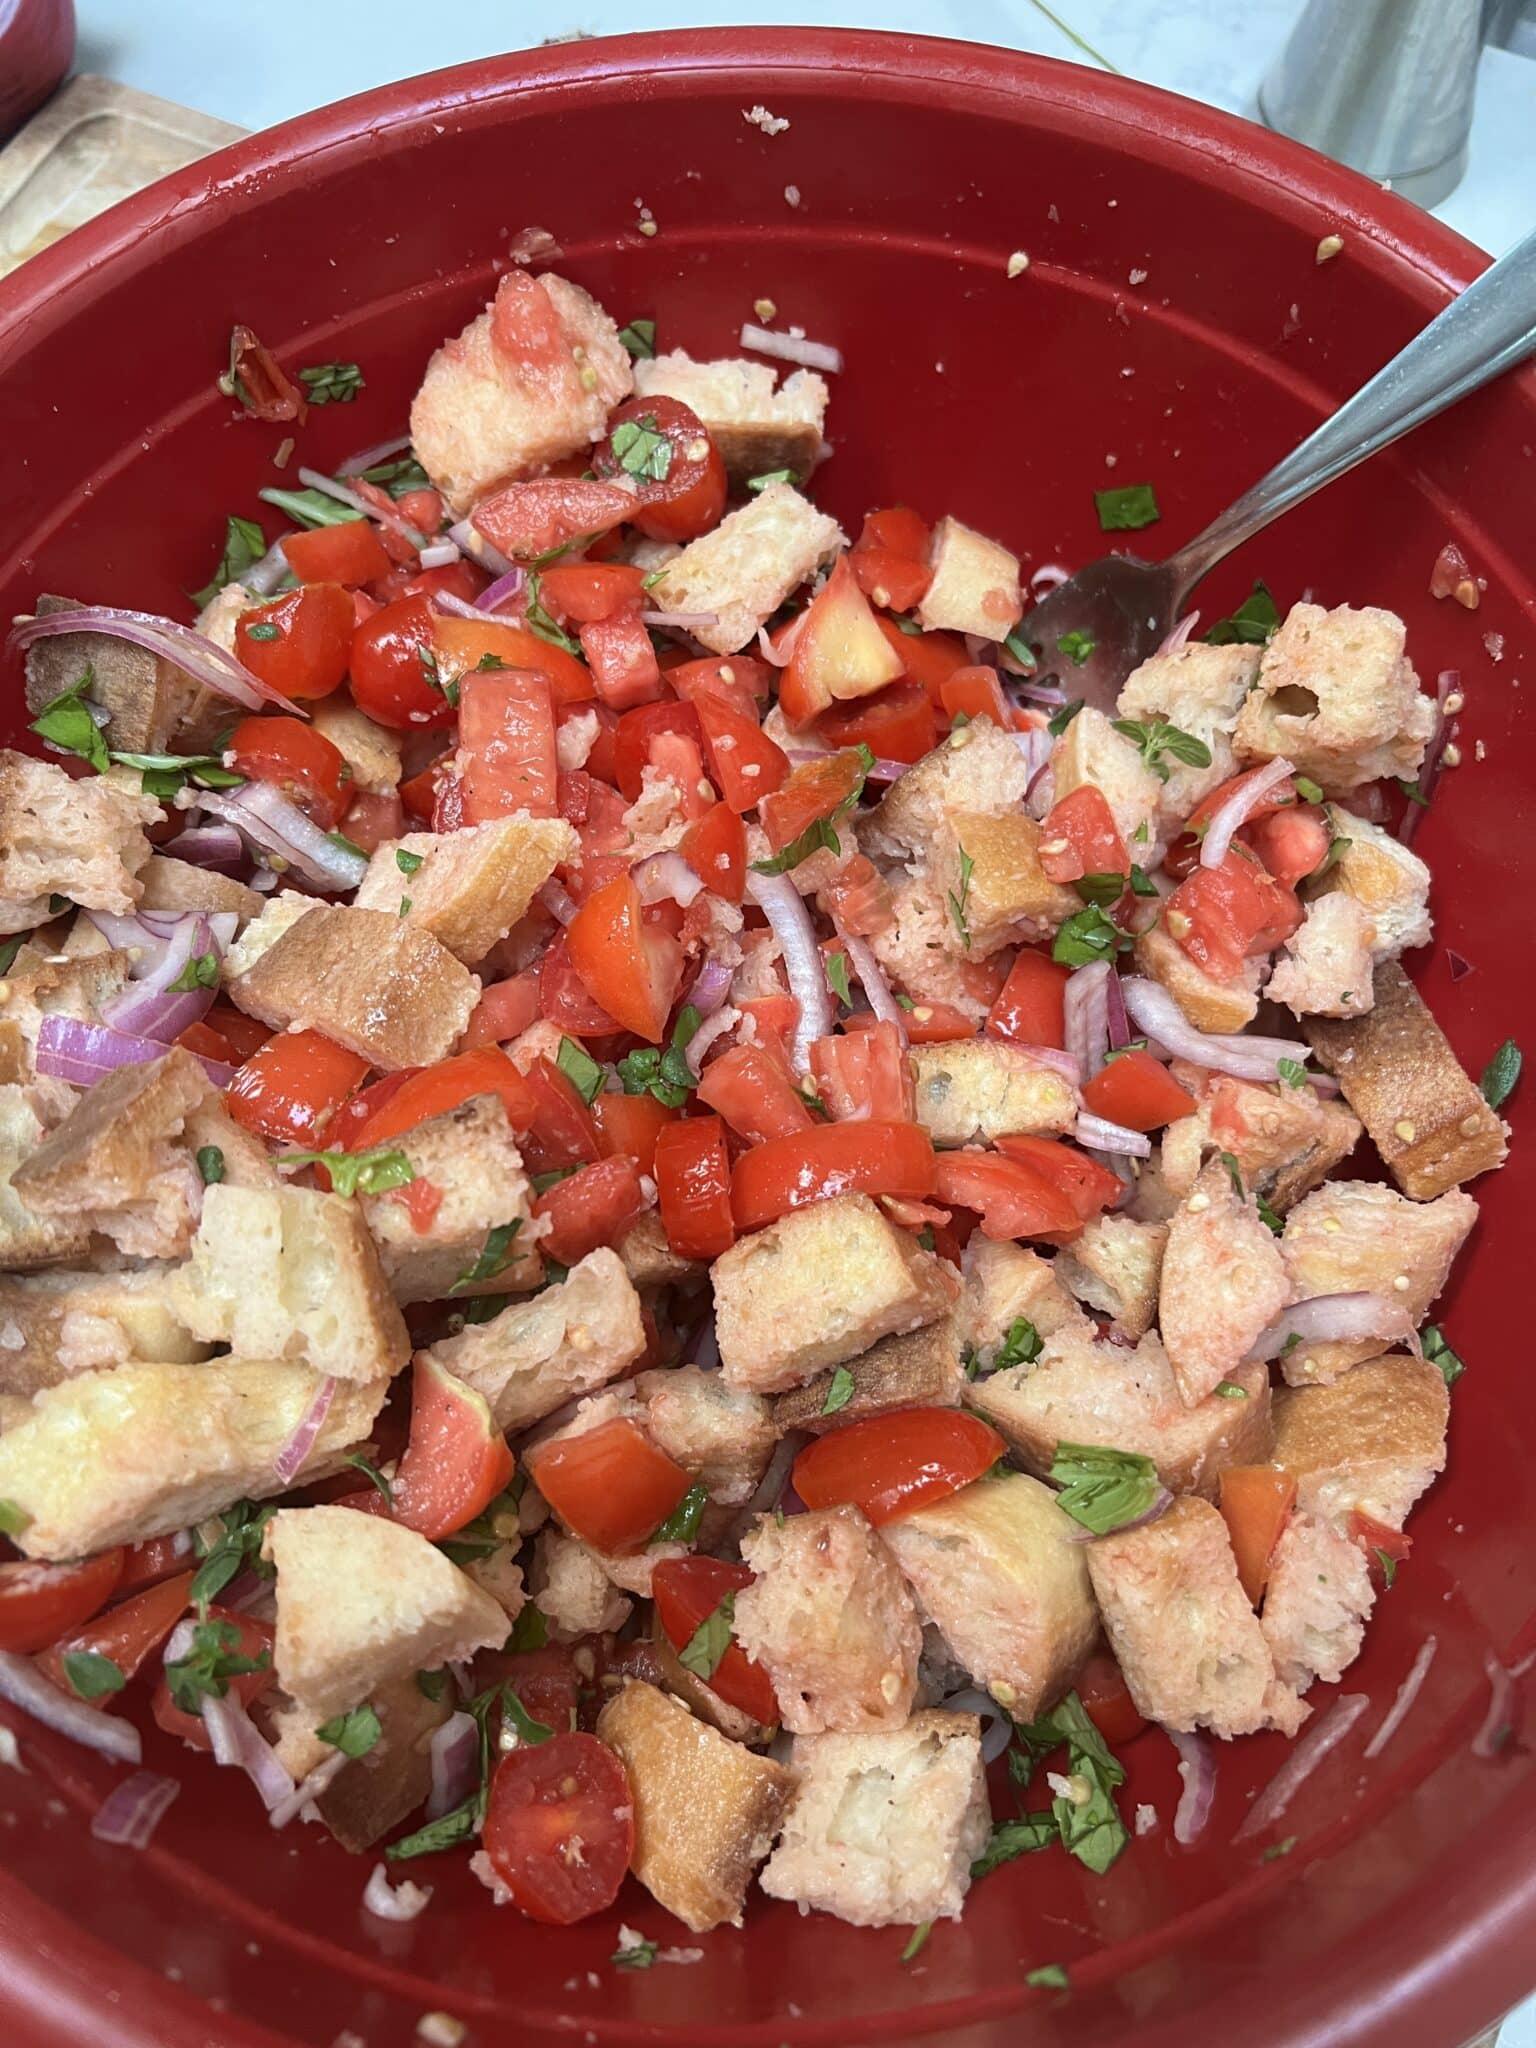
(1470, 1928)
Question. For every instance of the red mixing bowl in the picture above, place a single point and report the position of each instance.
(1406, 1913)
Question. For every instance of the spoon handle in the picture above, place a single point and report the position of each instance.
(1489, 327)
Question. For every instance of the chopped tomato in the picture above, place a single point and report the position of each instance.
(755, 1095)
(453, 579)
(1011, 1198)
(637, 729)
(629, 1125)
(546, 1680)
(293, 757)
(890, 1465)
(146, 1564)
(839, 653)
(126, 1634)
(1088, 1186)
(610, 1486)
(419, 793)
(394, 667)
(868, 1157)
(1137, 1091)
(399, 1103)
(675, 462)
(859, 897)
(928, 658)
(529, 519)
(299, 643)
(624, 668)
(896, 723)
(456, 1461)
(506, 745)
(739, 680)
(465, 646)
(693, 1186)
(245, 1034)
(1080, 837)
(715, 847)
(928, 1023)
(1226, 915)
(744, 764)
(201, 1039)
(373, 818)
(1256, 1503)
(505, 1010)
(815, 789)
(1106, 1698)
(252, 1639)
(559, 1131)
(627, 965)
(1291, 843)
(259, 382)
(1387, 1546)
(592, 1207)
(677, 756)
(899, 530)
(563, 997)
(864, 1074)
(890, 559)
(40, 1602)
(1029, 1009)
(289, 1089)
(588, 591)
(560, 1827)
(349, 553)
(687, 1591)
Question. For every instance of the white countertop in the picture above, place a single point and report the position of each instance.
(1214, 50)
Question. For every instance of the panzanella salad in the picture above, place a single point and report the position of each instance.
(654, 1200)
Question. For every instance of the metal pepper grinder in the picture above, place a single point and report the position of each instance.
(1385, 86)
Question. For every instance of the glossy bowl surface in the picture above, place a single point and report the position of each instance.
(1173, 326)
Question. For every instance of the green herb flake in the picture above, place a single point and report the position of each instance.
(373, 1475)
(1013, 1838)
(213, 1658)
(1093, 1832)
(1501, 1074)
(1021, 1346)
(354, 1734)
(1268, 1217)
(663, 1071)
(1076, 646)
(530, 1631)
(1049, 1977)
(1412, 791)
(1086, 936)
(540, 622)
(1234, 1174)
(14, 1520)
(1104, 890)
(432, 1685)
(709, 1642)
(1292, 1073)
(641, 449)
(580, 1069)
(360, 1173)
(1307, 789)
(1438, 1353)
(1142, 883)
(638, 1955)
(397, 477)
(639, 337)
(262, 629)
(1277, 1849)
(772, 476)
(916, 1939)
(201, 971)
(496, 1255)
(1229, 1390)
(957, 904)
(905, 1003)
(1058, 721)
(840, 1391)
(309, 507)
(837, 978)
(1127, 508)
(244, 545)
(408, 863)
(67, 724)
(210, 1165)
(530, 1733)
(1104, 1489)
(682, 1525)
(92, 1676)
(332, 383)
(1020, 650)
(1155, 737)
(1388, 1569)
(9, 948)
(235, 1548)
(1254, 621)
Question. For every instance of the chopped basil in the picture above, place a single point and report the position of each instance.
(408, 863)
(332, 383)
(540, 622)
(1118, 1052)
(1076, 646)
(639, 1955)
(1267, 1215)
(9, 948)
(488, 664)
(310, 508)
(1501, 1074)
(1278, 1849)
(1438, 1353)
(201, 971)
(92, 1676)
(663, 1071)
(840, 1392)
(1412, 791)
(1021, 651)
(919, 1935)
(360, 1173)
(67, 724)
(485, 1308)
(530, 1631)
(837, 978)
(1292, 1073)
(910, 627)
(405, 907)
(1049, 1976)
(1086, 936)
(1011, 1838)
(263, 629)
(164, 775)
(1103, 1489)
(353, 1734)
(772, 476)
(1388, 1569)
(1142, 883)
(1021, 1346)
(1127, 508)
(905, 1002)
(1229, 1390)
(212, 1660)
(464, 1821)
(641, 449)
(1093, 1832)
(1307, 789)
(709, 1642)
(432, 1685)
(372, 1473)
(1102, 889)
(13, 1519)
(580, 1069)
(1235, 1175)
(244, 544)
(210, 1165)
(1058, 721)
(821, 832)
(397, 477)
(1338, 846)
(495, 1256)
(1251, 624)
(236, 1548)
(682, 1525)
(530, 1733)
(1157, 737)
(958, 903)
(639, 337)
(447, 687)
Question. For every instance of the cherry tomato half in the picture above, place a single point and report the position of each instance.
(299, 761)
(301, 642)
(666, 447)
(560, 1827)
(889, 1465)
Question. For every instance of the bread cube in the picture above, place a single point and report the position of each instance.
(1374, 1440)
(29, 1237)
(1317, 1600)
(1324, 968)
(53, 1325)
(571, 1589)
(1007, 897)
(1090, 753)
(920, 949)
(470, 1158)
(247, 1162)
(706, 1810)
(742, 572)
(648, 1257)
(1179, 1622)
(1284, 1140)
(977, 1089)
(170, 884)
(471, 886)
(1208, 1004)
(84, 839)
(721, 1434)
(886, 1825)
(1200, 689)
(1115, 1266)
(975, 587)
(818, 1287)
(756, 429)
(279, 913)
(1387, 879)
(371, 1794)
(1005, 1284)
(830, 1620)
(371, 751)
(1223, 1283)
(143, 696)
(1337, 695)
(918, 1370)
(977, 769)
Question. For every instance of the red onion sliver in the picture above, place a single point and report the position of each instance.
(1239, 807)
(328, 487)
(779, 656)
(1319, 1742)
(308, 1789)
(510, 584)
(1157, 1015)
(998, 1729)
(465, 535)
(25, 1686)
(356, 464)
(1197, 1774)
(394, 1902)
(780, 902)
(1118, 1023)
(1053, 1057)
(1028, 692)
(1049, 576)
(792, 348)
(275, 824)
(1180, 634)
(1085, 1016)
(1503, 1715)
(1407, 1693)
(132, 1811)
(1035, 745)
(439, 554)
(299, 1445)
(207, 846)
(664, 877)
(70, 1050)
(455, 1760)
(1335, 1319)
(457, 607)
(1102, 1136)
(238, 1742)
(711, 988)
(555, 899)
(685, 622)
(192, 652)
(880, 769)
(263, 577)
(714, 1026)
(1459, 965)
(861, 958)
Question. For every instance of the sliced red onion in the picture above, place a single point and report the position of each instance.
(300, 1444)
(70, 1050)
(25, 1686)
(457, 607)
(997, 1732)
(684, 622)
(510, 584)
(132, 1811)
(1334, 1319)
(1407, 1693)
(1319, 1742)
(308, 1789)
(238, 1742)
(148, 1006)
(881, 769)
(1049, 576)
(1102, 1136)
(1040, 796)
(1051, 1056)
(356, 464)
(1239, 807)
(1197, 1775)
(1440, 738)
(1119, 1024)
(792, 348)
(1157, 1014)
(666, 877)
(1035, 745)
(711, 988)
(207, 846)
(273, 822)
(1499, 1723)
(479, 549)
(872, 979)
(1459, 965)
(1180, 634)
(394, 1902)
(181, 1639)
(779, 656)
(714, 1026)
(1027, 691)
(328, 487)
(455, 1764)
(770, 1488)
(780, 902)
(1085, 1016)
(263, 577)
(439, 554)
(557, 901)
(193, 653)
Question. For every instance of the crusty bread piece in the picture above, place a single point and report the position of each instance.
(1387, 879)
(1208, 1004)
(1008, 897)
(144, 697)
(1317, 1600)
(976, 1089)
(372, 1793)
(648, 1257)
(1374, 1440)
(371, 751)
(472, 885)
(1284, 1139)
(975, 586)
(743, 571)
(366, 978)
(920, 950)
(1425, 1117)
(571, 1589)
(1115, 1266)
(65, 983)
(756, 429)
(886, 1825)
(1082, 1392)
(81, 838)
(171, 884)
(654, 1660)
(920, 1369)
(977, 769)
(830, 1620)
(818, 1288)
(485, 413)
(362, 1601)
(119, 1162)
(146, 1449)
(1007, 1283)
(723, 1435)
(706, 1810)
(1337, 696)
(1223, 1282)
(1324, 968)
(29, 1237)
(1189, 1644)
(470, 1158)
(1358, 1236)
(278, 914)
(1091, 754)
(1200, 689)
(53, 1325)
(997, 1568)
(568, 1340)
(246, 1161)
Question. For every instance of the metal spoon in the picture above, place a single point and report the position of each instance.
(1127, 607)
